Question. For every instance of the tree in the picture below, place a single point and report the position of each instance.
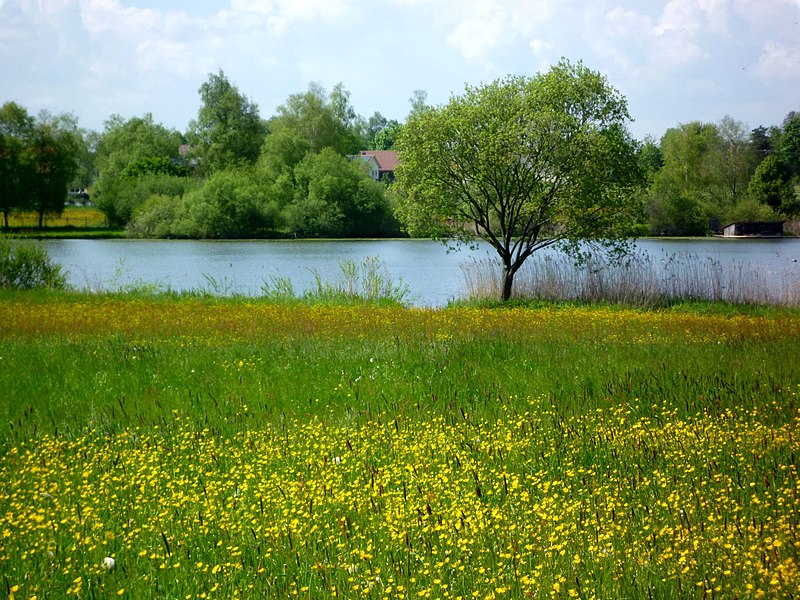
(761, 141)
(733, 161)
(380, 133)
(771, 185)
(523, 163)
(323, 121)
(789, 148)
(54, 152)
(122, 144)
(334, 197)
(16, 132)
(680, 195)
(228, 128)
(650, 157)
(229, 204)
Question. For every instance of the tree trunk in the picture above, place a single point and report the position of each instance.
(508, 282)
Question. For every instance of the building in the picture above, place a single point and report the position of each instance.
(380, 163)
(755, 229)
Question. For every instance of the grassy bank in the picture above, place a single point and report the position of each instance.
(215, 448)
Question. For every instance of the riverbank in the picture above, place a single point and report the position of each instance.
(189, 446)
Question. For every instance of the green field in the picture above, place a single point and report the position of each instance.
(223, 448)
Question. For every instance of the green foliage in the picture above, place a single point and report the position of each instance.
(322, 120)
(682, 189)
(789, 148)
(381, 133)
(155, 218)
(25, 264)
(228, 128)
(229, 204)
(733, 161)
(38, 160)
(16, 131)
(121, 186)
(333, 197)
(771, 185)
(132, 192)
(155, 165)
(523, 163)
(54, 150)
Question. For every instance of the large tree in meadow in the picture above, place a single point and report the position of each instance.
(523, 163)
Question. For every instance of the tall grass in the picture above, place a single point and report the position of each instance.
(200, 447)
(640, 281)
(368, 281)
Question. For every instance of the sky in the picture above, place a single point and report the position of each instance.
(675, 61)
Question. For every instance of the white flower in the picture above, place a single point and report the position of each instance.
(108, 563)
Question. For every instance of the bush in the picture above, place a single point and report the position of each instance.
(27, 265)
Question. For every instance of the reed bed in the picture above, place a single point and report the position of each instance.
(641, 280)
(210, 448)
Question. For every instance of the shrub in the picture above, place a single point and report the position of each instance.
(27, 265)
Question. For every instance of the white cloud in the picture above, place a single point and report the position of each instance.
(717, 13)
(479, 32)
(111, 16)
(678, 16)
(779, 61)
(484, 25)
(279, 14)
(540, 47)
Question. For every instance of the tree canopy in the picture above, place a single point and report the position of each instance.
(127, 150)
(38, 160)
(523, 163)
(228, 129)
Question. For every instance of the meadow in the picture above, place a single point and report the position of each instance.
(197, 447)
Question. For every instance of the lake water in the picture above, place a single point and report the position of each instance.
(432, 274)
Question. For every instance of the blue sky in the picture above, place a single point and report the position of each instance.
(675, 61)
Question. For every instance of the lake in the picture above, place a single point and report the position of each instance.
(432, 274)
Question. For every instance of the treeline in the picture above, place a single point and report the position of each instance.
(705, 175)
(38, 160)
(233, 174)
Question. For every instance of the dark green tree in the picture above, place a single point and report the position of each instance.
(16, 133)
(54, 151)
(771, 185)
(789, 148)
(523, 163)
(761, 142)
(228, 129)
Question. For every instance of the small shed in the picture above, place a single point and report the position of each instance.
(754, 229)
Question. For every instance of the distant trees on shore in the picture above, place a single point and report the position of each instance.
(235, 174)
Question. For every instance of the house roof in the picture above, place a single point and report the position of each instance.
(387, 159)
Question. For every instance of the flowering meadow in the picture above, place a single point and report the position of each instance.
(202, 448)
